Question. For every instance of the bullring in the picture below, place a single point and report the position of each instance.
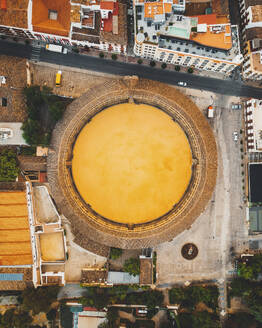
(86, 222)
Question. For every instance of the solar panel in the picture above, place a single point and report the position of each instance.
(11, 276)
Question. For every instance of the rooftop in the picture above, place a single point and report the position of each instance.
(146, 271)
(255, 219)
(52, 246)
(257, 61)
(52, 17)
(11, 134)
(93, 276)
(255, 182)
(15, 245)
(15, 278)
(15, 13)
(253, 3)
(208, 35)
(256, 12)
(45, 211)
(32, 163)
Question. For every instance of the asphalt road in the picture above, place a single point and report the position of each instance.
(226, 87)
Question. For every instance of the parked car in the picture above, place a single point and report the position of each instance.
(235, 136)
(183, 84)
(236, 106)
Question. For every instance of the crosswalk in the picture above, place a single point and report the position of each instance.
(35, 55)
(222, 299)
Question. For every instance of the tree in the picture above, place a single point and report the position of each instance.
(114, 56)
(252, 268)
(98, 298)
(56, 110)
(240, 287)
(154, 298)
(205, 320)
(190, 70)
(8, 166)
(185, 320)
(22, 319)
(51, 315)
(44, 109)
(7, 321)
(132, 266)
(164, 65)
(240, 320)
(40, 299)
(177, 68)
(115, 253)
(140, 61)
(176, 295)
(11, 318)
(152, 63)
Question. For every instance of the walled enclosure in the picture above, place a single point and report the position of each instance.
(85, 222)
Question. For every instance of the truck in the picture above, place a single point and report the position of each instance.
(56, 48)
(210, 112)
(58, 78)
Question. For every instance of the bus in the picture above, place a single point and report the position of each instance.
(58, 79)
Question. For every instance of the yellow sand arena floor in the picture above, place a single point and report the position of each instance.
(132, 163)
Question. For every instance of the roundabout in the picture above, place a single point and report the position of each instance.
(132, 164)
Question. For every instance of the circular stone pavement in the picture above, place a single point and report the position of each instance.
(86, 223)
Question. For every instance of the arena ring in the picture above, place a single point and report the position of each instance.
(86, 224)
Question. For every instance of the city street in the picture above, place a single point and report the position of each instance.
(224, 87)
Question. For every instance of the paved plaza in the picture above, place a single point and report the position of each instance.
(222, 225)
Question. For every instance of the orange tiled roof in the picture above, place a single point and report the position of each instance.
(15, 13)
(41, 21)
(156, 8)
(212, 19)
(15, 246)
(220, 40)
(107, 5)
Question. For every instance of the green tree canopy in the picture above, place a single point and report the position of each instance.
(115, 253)
(132, 266)
(8, 166)
(252, 268)
(240, 320)
(12, 318)
(189, 297)
(44, 109)
(205, 320)
(40, 299)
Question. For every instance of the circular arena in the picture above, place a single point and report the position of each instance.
(132, 164)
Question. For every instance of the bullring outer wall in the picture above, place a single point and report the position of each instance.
(85, 222)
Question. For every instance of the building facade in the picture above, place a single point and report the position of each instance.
(208, 42)
(251, 29)
(92, 23)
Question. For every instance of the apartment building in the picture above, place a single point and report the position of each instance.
(163, 33)
(99, 24)
(251, 29)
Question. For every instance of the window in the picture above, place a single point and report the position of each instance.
(52, 14)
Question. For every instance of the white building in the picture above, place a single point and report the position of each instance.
(207, 42)
(251, 29)
(253, 125)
